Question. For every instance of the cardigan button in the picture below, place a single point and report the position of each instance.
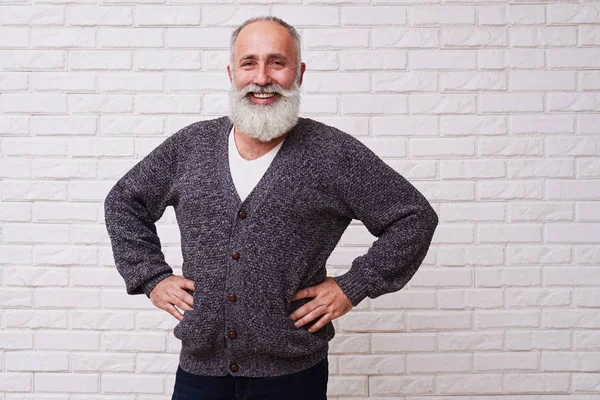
(235, 255)
(232, 334)
(242, 214)
(232, 297)
(234, 367)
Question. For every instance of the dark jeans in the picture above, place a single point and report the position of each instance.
(310, 384)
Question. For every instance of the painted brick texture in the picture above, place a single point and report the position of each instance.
(490, 108)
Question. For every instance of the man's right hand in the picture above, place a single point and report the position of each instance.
(170, 292)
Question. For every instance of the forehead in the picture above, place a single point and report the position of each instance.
(262, 38)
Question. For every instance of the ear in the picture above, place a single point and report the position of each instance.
(229, 72)
(302, 69)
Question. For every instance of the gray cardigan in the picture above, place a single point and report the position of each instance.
(248, 258)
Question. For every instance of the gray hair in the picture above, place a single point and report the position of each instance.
(276, 20)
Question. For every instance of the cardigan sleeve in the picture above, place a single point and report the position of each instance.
(133, 205)
(392, 210)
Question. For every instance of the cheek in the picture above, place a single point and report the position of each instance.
(242, 80)
(285, 79)
(242, 84)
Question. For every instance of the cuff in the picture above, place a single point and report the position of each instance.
(148, 286)
(353, 285)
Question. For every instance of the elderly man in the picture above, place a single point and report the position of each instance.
(262, 197)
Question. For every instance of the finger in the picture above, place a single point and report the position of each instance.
(187, 298)
(319, 324)
(298, 295)
(182, 300)
(309, 291)
(173, 311)
(306, 308)
(319, 310)
(188, 284)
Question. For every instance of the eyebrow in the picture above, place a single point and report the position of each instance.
(270, 55)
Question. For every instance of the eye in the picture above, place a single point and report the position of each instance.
(278, 62)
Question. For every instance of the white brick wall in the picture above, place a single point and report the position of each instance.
(491, 108)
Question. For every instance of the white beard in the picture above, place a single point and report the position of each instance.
(264, 122)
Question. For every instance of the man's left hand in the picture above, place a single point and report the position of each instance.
(329, 301)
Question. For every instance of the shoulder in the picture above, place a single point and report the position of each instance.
(198, 136)
(202, 129)
(333, 141)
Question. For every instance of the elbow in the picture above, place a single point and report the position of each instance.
(435, 218)
(114, 195)
(109, 206)
(429, 218)
(428, 222)
(109, 201)
(113, 202)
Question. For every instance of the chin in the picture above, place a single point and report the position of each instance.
(264, 122)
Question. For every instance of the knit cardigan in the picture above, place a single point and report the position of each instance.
(248, 258)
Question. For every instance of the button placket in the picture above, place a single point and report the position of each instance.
(232, 334)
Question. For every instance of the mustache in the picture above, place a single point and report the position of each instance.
(270, 88)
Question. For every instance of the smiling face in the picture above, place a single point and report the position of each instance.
(264, 95)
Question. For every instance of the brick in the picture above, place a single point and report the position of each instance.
(167, 16)
(306, 15)
(570, 361)
(32, 16)
(512, 15)
(99, 15)
(470, 341)
(536, 383)
(448, 320)
(66, 382)
(38, 361)
(471, 37)
(543, 36)
(99, 59)
(367, 364)
(335, 38)
(437, 15)
(469, 384)
(403, 37)
(398, 385)
(63, 37)
(403, 342)
(168, 60)
(367, 16)
(373, 59)
(130, 37)
(538, 340)
(508, 361)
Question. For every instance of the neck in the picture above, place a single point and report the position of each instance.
(246, 140)
(251, 148)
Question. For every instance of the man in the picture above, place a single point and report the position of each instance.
(262, 197)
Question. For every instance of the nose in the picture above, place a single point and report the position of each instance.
(262, 77)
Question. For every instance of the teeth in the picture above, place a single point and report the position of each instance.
(263, 95)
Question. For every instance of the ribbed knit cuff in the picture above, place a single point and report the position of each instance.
(353, 285)
(148, 286)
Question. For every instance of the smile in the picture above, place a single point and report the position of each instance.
(263, 95)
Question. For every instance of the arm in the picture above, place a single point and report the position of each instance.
(394, 211)
(132, 207)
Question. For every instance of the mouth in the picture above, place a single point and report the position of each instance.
(263, 98)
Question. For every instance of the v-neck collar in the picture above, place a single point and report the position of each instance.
(261, 190)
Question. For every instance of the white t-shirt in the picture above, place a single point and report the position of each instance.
(247, 173)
